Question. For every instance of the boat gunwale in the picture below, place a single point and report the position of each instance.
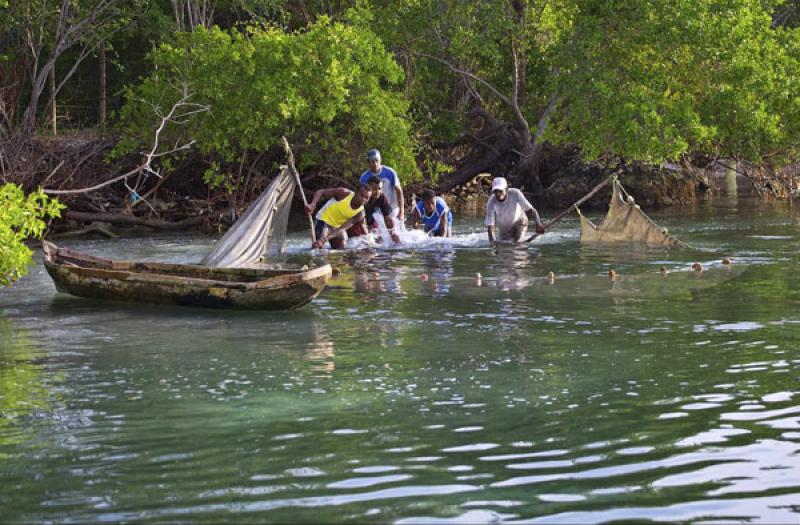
(126, 271)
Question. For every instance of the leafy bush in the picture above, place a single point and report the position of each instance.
(329, 89)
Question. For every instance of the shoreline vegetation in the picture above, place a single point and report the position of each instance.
(184, 201)
(168, 115)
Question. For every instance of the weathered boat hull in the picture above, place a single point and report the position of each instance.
(182, 284)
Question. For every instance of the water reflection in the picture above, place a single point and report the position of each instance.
(23, 390)
(375, 275)
(321, 352)
(511, 267)
(437, 267)
(623, 254)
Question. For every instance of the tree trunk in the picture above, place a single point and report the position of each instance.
(102, 66)
(525, 173)
(37, 88)
(527, 169)
(53, 109)
(69, 31)
(485, 159)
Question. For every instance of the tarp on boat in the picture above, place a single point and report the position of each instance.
(625, 222)
(260, 231)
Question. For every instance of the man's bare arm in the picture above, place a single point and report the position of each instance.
(359, 217)
(533, 214)
(401, 202)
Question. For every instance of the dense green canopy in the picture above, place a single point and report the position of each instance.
(643, 80)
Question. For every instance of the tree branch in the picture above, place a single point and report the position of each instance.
(146, 168)
(467, 74)
(516, 80)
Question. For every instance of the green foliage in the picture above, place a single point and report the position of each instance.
(647, 81)
(327, 88)
(656, 80)
(644, 80)
(213, 177)
(21, 217)
(435, 169)
(475, 37)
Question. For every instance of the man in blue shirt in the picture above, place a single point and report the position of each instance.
(434, 215)
(391, 184)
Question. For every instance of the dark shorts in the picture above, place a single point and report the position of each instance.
(321, 228)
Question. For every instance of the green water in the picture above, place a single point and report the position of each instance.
(396, 399)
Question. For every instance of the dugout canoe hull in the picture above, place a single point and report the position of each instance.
(92, 277)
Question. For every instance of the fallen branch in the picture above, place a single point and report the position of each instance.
(128, 220)
(95, 227)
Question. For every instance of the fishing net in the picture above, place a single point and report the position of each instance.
(260, 231)
(625, 222)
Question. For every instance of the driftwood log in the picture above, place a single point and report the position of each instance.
(95, 227)
(128, 220)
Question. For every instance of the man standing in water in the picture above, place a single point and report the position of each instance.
(391, 184)
(508, 210)
(345, 210)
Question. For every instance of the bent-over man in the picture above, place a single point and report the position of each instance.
(507, 211)
(378, 203)
(345, 210)
(433, 214)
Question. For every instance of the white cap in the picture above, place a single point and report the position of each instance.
(499, 183)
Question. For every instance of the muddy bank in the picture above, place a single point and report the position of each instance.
(653, 188)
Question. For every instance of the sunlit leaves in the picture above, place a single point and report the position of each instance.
(21, 217)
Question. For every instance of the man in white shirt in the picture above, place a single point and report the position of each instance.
(508, 211)
(391, 184)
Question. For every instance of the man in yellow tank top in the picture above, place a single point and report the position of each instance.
(344, 210)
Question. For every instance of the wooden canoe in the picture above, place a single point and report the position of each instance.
(183, 284)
